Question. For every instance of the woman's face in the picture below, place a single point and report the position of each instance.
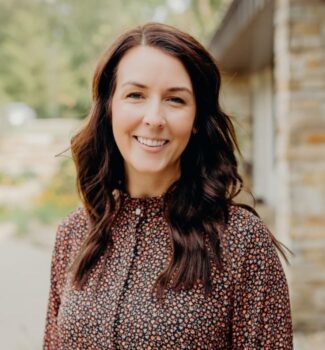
(153, 111)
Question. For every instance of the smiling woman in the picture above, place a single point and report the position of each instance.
(160, 256)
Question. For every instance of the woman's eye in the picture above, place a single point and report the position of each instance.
(177, 100)
(134, 95)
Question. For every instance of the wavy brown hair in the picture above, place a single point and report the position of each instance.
(196, 206)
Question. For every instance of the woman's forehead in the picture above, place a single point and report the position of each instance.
(145, 64)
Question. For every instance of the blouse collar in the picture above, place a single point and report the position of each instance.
(153, 204)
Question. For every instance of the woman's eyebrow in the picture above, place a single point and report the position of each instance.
(180, 89)
(172, 89)
(134, 83)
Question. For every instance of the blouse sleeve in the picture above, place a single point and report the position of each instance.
(261, 309)
(58, 267)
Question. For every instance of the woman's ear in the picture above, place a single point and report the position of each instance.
(194, 131)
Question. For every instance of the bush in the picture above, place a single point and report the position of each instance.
(60, 196)
(14, 180)
(18, 216)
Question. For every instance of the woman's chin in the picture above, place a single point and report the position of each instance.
(151, 169)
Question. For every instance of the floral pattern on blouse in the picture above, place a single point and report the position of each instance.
(248, 308)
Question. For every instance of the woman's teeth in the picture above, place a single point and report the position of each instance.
(151, 142)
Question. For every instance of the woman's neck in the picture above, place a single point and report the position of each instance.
(147, 185)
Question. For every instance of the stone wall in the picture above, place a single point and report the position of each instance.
(299, 45)
(299, 106)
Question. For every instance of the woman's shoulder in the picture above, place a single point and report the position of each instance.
(77, 218)
(250, 253)
(245, 230)
(73, 228)
(242, 216)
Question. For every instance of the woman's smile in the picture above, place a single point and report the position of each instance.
(151, 144)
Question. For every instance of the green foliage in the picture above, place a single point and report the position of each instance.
(49, 48)
(23, 58)
(4, 213)
(19, 216)
(59, 197)
(12, 180)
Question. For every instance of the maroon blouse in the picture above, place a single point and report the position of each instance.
(248, 308)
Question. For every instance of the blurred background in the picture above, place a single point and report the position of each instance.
(272, 57)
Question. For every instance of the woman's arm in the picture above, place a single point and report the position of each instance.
(261, 309)
(58, 272)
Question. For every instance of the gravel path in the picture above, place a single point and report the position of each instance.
(24, 271)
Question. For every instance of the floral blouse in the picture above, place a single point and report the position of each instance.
(247, 309)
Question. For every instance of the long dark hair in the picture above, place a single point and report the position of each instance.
(196, 208)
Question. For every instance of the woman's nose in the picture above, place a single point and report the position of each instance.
(154, 115)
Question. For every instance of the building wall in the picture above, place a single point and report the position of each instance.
(235, 99)
(299, 140)
(263, 147)
(299, 45)
(248, 98)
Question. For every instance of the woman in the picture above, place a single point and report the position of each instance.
(161, 257)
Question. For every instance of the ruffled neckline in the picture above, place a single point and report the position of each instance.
(148, 204)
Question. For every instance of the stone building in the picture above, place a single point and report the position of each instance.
(272, 56)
